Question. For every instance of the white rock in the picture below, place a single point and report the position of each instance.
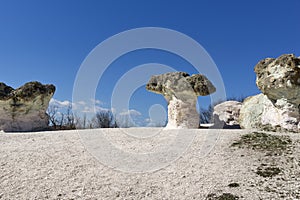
(260, 112)
(226, 114)
(182, 114)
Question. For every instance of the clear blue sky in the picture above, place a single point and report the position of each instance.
(48, 40)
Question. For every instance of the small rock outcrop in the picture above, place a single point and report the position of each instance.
(226, 114)
(181, 91)
(278, 108)
(24, 109)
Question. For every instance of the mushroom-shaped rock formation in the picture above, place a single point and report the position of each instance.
(278, 108)
(24, 109)
(181, 91)
(280, 78)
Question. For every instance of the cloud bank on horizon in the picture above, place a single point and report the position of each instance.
(125, 118)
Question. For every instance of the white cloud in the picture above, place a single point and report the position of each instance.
(129, 118)
(90, 107)
(96, 102)
(86, 109)
(155, 123)
(130, 112)
(59, 104)
(126, 118)
(81, 103)
(78, 107)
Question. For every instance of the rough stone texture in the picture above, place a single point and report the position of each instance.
(226, 114)
(57, 165)
(278, 108)
(280, 78)
(24, 109)
(259, 112)
(181, 91)
(4, 90)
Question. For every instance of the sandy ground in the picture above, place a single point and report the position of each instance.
(64, 165)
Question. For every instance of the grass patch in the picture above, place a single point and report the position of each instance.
(234, 185)
(224, 196)
(273, 144)
(268, 171)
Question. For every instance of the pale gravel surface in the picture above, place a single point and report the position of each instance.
(56, 165)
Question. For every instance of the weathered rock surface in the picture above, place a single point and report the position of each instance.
(181, 91)
(278, 108)
(226, 114)
(259, 112)
(24, 109)
(280, 78)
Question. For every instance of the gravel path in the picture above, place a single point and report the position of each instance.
(58, 165)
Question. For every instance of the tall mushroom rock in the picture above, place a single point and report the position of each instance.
(181, 91)
(24, 109)
(278, 108)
